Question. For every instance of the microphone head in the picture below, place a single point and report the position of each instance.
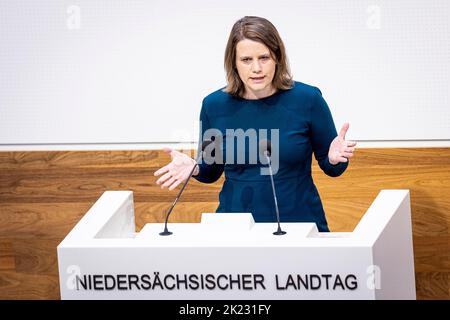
(265, 145)
(206, 143)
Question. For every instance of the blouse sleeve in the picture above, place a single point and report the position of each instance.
(323, 131)
(208, 173)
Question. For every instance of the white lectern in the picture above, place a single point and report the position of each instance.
(229, 256)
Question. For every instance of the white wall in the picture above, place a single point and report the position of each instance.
(105, 74)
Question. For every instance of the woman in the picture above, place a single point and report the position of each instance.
(261, 95)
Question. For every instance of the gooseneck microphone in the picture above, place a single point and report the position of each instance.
(266, 147)
(205, 143)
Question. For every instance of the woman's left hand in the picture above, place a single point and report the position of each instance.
(341, 149)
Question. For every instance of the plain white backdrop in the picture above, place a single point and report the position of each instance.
(88, 74)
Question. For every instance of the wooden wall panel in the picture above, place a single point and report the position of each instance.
(44, 194)
(7, 262)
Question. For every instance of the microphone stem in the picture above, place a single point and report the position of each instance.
(166, 231)
(274, 193)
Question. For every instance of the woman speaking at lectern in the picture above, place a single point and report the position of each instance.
(261, 95)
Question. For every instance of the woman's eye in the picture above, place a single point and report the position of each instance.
(265, 58)
(246, 59)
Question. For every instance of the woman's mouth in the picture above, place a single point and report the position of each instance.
(257, 79)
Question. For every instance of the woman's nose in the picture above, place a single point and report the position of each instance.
(256, 66)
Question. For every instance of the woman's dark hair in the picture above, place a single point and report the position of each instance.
(263, 31)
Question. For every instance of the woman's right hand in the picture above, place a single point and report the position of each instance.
(176, 171)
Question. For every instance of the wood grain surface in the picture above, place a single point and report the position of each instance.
(44, 194)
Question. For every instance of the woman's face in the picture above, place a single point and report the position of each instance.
(255, 67)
